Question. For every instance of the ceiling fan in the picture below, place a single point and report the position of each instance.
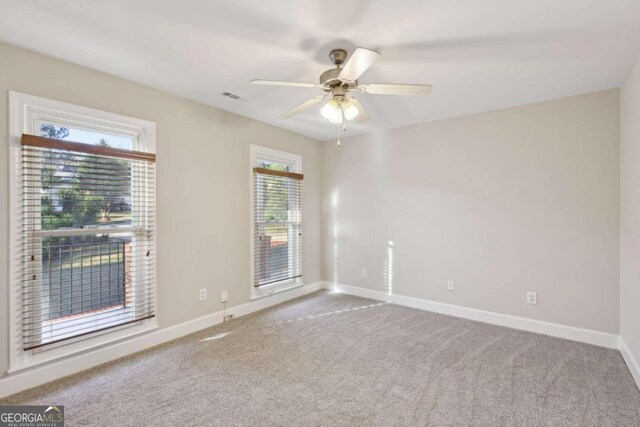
(338, 83)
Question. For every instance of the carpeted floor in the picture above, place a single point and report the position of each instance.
(334, 359)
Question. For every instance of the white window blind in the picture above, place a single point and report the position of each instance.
(87, 258)
(277, 226)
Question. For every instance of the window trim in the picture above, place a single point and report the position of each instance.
(25, 111)
(258, 152)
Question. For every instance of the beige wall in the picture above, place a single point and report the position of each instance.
(203, 183)
(630, 211)
(501, 202)
(505, 202)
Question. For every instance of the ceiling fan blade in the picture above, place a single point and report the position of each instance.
(362, 116)
(311, 102)
(395, 89)
(359, 62)
(280, 83)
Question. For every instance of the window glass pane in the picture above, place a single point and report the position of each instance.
(77, 134)
(276, 252)
(275, 204)
(275, 166)
(78, 190)
(84, 274)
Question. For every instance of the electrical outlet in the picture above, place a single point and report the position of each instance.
(532, 298)
(203, 294)
(224, 296)
(451, 285)
(364, 272)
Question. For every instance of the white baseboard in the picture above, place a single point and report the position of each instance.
(630, 361)
(29, 378)
(588, 336)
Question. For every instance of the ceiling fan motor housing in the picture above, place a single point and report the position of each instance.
(329, 79)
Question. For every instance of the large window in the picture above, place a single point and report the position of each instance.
(85, 227)
(277, 220)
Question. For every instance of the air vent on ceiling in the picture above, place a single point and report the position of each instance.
(231, 95)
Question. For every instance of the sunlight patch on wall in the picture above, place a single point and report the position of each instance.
(334, 209)
(335, 254)
(388, 268)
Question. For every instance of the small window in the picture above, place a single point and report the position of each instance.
(277, 216)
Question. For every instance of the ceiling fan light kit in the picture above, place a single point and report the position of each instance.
(334, 109)
(339, 81)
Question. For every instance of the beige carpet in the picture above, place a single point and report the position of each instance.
(333, 359)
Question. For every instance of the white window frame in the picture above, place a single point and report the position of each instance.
(25, 112)
(259, 153)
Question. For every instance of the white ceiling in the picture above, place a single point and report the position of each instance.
(479, 55)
